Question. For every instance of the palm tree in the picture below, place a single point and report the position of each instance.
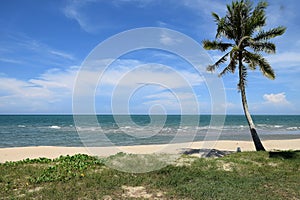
(241, 28)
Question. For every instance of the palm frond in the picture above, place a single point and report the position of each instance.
(257, 60)
(218, 63)
(266, 69)
(266, 35)
(257, 18)
(225, 29)
(230, 68)
(259, 12)
(261, 6)
(267, 47)
(233, 54)
(215, 45)
(216, 16)
(251, 64)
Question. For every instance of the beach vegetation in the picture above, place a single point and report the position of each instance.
(245, 175)
(241, 37)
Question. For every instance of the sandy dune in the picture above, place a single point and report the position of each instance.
(19, 153)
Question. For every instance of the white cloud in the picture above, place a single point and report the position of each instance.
(56, 79)
(90, 21)
(229, 105)
(47, 93)
(52, 91)
(169, 95)
(7, 60)
(153, 84)
(167, 39)
(149, 84)
(62, 54)
(72, 11)
(130, 73)
(162, 24)
(174, 101)
(24, 50)
(276, 99)
(273, 104)
(20, 96)
(150, 73)
(285, 59)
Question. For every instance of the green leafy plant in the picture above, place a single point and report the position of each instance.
(66, 168)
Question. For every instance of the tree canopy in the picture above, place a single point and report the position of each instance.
(241, 27)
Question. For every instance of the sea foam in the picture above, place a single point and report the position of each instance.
(55, 127)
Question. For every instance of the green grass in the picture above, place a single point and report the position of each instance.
(247, 175)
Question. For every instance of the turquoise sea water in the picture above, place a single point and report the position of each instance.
(60, 130)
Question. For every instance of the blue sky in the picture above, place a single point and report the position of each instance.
(43, 44)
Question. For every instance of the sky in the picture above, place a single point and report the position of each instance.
(44, 45)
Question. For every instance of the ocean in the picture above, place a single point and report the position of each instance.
(61, 130)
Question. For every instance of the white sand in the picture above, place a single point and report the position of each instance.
(19, 153)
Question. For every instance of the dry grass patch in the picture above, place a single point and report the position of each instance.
(140, 192)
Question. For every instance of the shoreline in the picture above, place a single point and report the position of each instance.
(20, 153)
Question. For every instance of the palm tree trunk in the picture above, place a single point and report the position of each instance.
(258, 145)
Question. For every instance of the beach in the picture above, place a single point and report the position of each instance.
(20, 153)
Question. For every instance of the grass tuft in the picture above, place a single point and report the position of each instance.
(245, 175)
